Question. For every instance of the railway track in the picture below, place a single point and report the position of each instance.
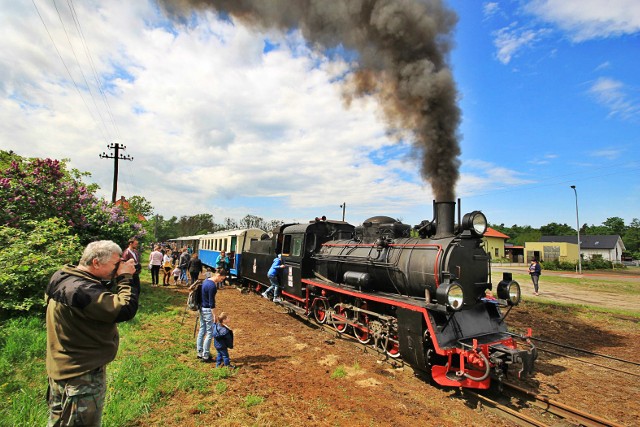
(571, 416)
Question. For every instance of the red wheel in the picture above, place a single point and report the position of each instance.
(361, 329)
(320, 311)
(393, 346)
(339, 318)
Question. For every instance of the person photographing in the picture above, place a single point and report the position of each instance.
(84, 305)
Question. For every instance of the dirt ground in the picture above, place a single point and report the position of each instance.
(290, 363)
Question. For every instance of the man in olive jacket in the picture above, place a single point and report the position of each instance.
(82, 333)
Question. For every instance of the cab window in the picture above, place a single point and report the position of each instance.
(296, 249)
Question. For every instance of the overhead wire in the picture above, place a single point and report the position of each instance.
(84, 77)
(531, 186)
(99, 84)
(75, 84)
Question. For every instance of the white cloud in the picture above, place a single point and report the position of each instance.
(613, 95)
(490, 9)
(513, 38)
(607, 153)
(589, 19)
(213, 123)
(480, 175)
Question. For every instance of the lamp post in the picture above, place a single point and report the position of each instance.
(343, 206)
(578, 227)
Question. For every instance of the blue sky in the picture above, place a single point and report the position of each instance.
(228, 120)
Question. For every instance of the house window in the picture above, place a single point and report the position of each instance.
(497, 253)
(551, 253)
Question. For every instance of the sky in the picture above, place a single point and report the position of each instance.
(229, 120)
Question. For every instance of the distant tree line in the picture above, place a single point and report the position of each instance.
(630, 234)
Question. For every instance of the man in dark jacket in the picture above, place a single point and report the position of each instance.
(184, 265)
(82, 333)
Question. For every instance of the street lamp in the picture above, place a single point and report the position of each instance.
(343, 206)
(578, 227)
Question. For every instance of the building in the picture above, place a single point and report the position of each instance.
(609, 248)
(494, 243)
(551, 250)
(122, 202)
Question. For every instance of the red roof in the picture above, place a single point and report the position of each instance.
(125, 205)
(493, 233)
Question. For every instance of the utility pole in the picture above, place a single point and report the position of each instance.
(116, 156)
(578, 227)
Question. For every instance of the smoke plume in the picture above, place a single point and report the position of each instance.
(402, 48)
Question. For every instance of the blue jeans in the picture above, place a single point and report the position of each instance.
(223, 357)
(203, 344)
(534, 279)
(183, 275)
(275, 287)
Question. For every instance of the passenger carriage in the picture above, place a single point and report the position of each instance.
(233, 242)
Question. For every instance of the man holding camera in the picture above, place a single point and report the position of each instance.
(84, 305)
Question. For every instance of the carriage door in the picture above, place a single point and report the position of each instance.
(232, 251)
(292, 253)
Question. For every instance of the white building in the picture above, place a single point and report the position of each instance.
(609, 248)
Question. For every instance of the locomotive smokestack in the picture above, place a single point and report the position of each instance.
(444, 219)
(402, 48)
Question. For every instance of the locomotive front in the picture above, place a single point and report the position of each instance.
(434, 286)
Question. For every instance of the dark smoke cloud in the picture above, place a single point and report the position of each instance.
(402, 50)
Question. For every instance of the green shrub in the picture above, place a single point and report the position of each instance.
(29, 258)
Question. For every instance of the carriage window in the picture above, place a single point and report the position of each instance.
(296, 249)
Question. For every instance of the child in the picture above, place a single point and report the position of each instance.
(222, 340)
(176, 275)
(488, 297)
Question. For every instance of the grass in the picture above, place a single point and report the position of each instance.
(339, 372)
(156, 362)
(148, 370)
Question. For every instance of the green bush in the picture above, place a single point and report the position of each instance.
(29, 258)
(597, 264)
(558, 265)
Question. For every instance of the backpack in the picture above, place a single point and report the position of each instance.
(226, 338)
(194, 300)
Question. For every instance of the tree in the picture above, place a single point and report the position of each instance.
(251, 221)
(631, 238)
(555, 229)
(138, 205)
(196, 224)
(615, 225)
(229, 224)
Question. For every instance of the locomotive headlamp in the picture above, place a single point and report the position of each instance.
(509, 290)
(450, 295)
(475, 221)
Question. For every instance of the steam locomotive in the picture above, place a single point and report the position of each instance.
(422, 299)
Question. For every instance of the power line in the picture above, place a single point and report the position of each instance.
(75, 84)
(88, 86)
(76, 20)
